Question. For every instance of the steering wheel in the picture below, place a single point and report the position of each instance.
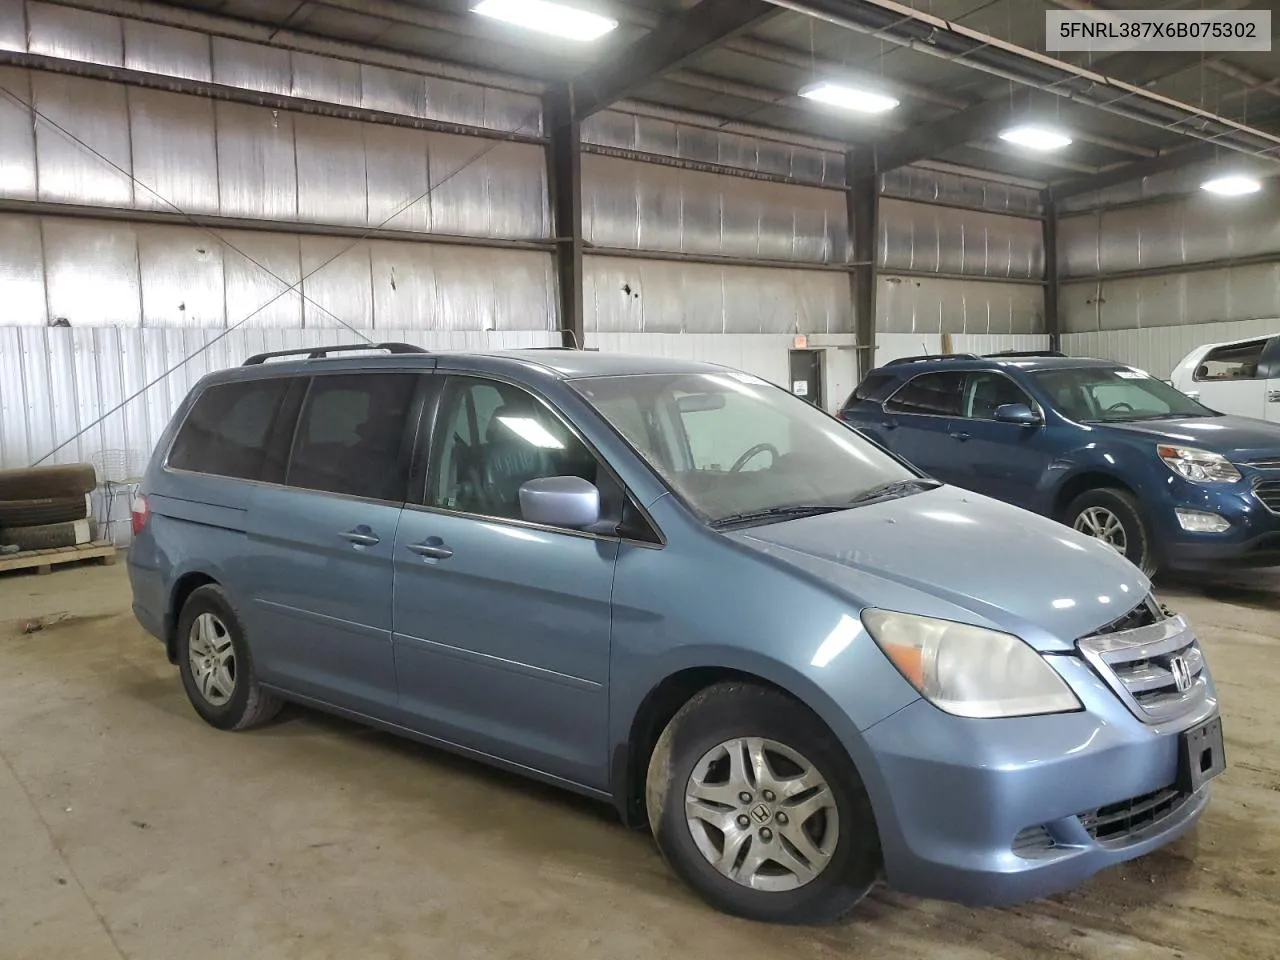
(1116, 408)
(757, 449)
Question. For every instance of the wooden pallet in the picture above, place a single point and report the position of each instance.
(45, 560)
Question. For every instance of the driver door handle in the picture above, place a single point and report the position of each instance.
(433, 548)
(361, 536)
(962, 437)
(889, 425)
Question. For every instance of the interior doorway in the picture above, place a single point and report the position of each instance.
(806, 375)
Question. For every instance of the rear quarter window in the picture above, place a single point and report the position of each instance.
(230, 431)
(875, 387)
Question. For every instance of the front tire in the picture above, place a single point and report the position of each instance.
(216, 666)
(755, 804)
(1114, 517)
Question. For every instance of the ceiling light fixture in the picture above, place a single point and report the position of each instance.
(556, 19)
(851, 98)
(1035, 138)
(1232, 185)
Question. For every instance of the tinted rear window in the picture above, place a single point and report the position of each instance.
(351, 436)
(937, 394)
(229, 432)
(875, 387)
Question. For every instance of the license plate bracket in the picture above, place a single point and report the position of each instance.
(1201, 755)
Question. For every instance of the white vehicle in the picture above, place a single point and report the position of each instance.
(1241, 377)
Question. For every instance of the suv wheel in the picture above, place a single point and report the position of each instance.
(1113, 517)
(216, 667)
(756, 805)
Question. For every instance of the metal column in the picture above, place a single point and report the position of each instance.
(1052, 325)
(564, 180)
(862, 203)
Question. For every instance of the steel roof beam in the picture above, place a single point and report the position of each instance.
(670, 45)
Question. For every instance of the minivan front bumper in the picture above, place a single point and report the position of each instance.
(989, 812)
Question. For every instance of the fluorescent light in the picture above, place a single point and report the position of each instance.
(851, 98)
(1036, 138)
(532, 432)
(546, 17)
(1231, 186)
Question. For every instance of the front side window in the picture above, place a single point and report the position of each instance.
(491, 438)
(1237, 361)
(730, 444)
(936, 394)
(1115, 394)
(230, 429)
(987, 391)
(351, 435)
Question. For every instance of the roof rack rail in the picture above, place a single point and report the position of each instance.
(1025, 353)
(319, 353)
(935, 356)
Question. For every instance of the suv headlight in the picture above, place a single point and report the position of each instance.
(1199, 466)
(969, 671)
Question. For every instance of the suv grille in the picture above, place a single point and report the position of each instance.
(1151, 661)
(1118, 822)
(1268, 491)
(1272, 464)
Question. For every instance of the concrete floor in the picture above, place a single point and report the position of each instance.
(128, 828)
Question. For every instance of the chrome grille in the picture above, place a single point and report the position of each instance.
(1146, 666)
(1268, 491)
(1117, 823)
(1272, 464)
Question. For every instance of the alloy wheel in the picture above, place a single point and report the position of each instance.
(212, 657)
(762, 814)
(1101, 524)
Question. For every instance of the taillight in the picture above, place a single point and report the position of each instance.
(139, 513)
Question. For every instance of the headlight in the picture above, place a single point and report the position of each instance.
(1200, 466)
(969, 671)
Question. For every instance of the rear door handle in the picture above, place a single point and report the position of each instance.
(433, 548)
(361, 536)
(962, 437)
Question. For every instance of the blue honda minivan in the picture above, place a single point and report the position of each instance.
(672, 586)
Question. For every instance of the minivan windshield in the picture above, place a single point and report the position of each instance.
(737, 449)
(1115, 394)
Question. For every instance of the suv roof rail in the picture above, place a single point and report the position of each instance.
(319, 353)
(934, 356)
(1025, 353)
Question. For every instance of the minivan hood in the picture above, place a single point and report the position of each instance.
(959, 555)
(1236, 438)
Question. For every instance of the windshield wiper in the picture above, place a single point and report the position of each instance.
(893, 490)
(790, 512)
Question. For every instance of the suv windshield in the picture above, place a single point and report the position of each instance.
(1114, 394)
(738, 449)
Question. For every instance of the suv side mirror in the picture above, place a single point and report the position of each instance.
(1017, 413)
(569, 502)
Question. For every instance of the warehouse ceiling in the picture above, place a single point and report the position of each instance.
(1205, 106)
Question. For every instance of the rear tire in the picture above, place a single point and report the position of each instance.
(807, 807)
(216, 665)
(1114, 517)
(36, 483)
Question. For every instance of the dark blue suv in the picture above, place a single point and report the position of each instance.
(1103, 447)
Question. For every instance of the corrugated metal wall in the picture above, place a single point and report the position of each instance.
(702, 240)
(102, 184)
(970, 260)
(1167, 271)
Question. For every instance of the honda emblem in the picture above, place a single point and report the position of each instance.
(1181, 674)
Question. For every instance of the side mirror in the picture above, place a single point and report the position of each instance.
(1017, 413)
(569, 502)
